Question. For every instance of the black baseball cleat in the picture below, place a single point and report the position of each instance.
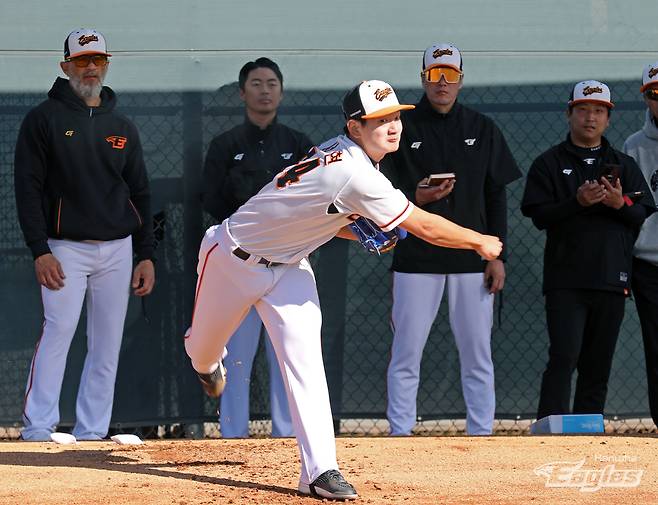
(213, 383)
(331, 484)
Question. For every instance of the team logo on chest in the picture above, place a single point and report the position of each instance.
(567, 171)
(416, 145)
(286, 156)
(116, 141)
(238, 156)
(589, 161)
(469, 142)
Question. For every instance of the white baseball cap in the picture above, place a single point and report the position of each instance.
(591, 91)
(370, 100)
(442, 55)
(84, 41)
(649, 76)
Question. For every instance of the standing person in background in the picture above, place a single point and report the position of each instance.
(238, 164)
(643, 147)
(83, 202)
(441, 135)
(577, 192)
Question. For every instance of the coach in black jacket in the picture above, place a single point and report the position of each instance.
(83, 203)
(582, 193)
(441, 135)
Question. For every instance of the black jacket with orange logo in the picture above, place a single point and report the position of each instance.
(80, 175)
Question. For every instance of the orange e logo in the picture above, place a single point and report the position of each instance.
(117, 142)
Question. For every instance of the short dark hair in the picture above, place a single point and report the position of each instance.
(259, 63)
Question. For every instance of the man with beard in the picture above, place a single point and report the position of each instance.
(83, 203)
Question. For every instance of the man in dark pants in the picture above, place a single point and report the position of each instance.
(643, 147)
(239, 163)
(578, 191)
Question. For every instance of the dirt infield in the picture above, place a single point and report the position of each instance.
(415, 470)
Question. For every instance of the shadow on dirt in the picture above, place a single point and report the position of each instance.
(108, 460)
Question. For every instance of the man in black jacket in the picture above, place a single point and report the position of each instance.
(239, 163)
(83, 204)
(441, 135)
(591, 199)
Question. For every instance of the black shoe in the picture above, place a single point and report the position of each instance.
(213, 383)
(331, 484)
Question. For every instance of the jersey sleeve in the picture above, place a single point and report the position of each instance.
(370, 194)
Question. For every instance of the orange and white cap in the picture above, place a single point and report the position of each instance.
(442, 55)
(591, 91)
(649, 77)
(84, 41)
(370, 100)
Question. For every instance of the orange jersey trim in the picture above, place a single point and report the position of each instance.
(198, 288)
(396, 217)
(34, 359)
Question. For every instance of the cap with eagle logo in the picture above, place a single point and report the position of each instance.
(371, 100)
(442, 55)
(649, 77)
(84, 41)
(591, 91)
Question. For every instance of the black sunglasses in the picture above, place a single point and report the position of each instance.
(652, 94)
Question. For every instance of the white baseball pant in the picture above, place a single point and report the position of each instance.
(416, 301)
(286, 299)
(234, 402)
(101, 272)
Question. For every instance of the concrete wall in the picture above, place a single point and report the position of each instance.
(200, 45)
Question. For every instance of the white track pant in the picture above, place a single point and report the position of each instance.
(234, 403)
(286, 299)
(416, 300)
(102, 273)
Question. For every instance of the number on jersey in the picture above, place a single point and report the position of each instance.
(293, 173)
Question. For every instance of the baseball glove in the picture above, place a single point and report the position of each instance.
(372, 238)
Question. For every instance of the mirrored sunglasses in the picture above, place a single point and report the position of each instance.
(652, 94)
(434, 74)
(100, 60)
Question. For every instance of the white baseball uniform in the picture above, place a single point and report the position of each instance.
(302, 208)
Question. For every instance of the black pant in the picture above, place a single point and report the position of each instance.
(645, 292)
(583, 326)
